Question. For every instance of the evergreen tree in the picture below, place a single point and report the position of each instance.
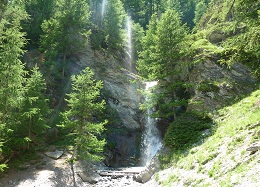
(200, 9)
(65, 33)
(113, 24)
(34, 107)
(147, 57)
(170, 34)
(137, 35)
(245, 45)
(161, 59)
(82, 116)
(11, 70)
(38, 10)
(186, 9)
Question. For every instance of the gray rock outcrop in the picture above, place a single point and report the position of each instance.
(148, 172)
(216, 85)
(122, 97)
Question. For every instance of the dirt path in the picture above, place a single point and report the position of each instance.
(48, 172)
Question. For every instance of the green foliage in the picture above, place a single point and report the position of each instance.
(11, 70)
(147, 56)
(185, 8)
(199, 11)
(221, 156)
(38, 10)
(161, 59)
(234, 27)
(65, 33)
(207, 86)
(113, 24)
(137, 35)
(142, 10)
(82, 116)
(34, 107)
(97, 38)
(185, 131)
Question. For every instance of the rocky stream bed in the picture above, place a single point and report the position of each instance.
(58, 172)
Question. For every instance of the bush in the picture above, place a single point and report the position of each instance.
(186, 130)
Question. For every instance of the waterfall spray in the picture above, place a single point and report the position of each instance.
(103, 7)
(129, 37)
(151, 138)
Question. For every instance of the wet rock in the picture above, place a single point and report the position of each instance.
(55, 155)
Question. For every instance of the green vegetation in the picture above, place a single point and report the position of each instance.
(222, 155)
(186, 130)
(80, 119)
(170, 38)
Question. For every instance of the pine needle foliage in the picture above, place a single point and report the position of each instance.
(82, 117)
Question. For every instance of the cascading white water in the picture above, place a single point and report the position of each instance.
(152, 141)
(129, 38)
(129, 45)
(103, 7)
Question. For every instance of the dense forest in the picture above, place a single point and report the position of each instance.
(169, 38)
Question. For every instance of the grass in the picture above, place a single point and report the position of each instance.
(222, 157)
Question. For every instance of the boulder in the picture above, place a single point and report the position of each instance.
(148, 172)
(55, 155)
(89, 179)
(254, 148)
(216, 85)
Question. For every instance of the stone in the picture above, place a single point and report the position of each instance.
(148, 172)
(254, 148)
(89, 179)
(55, 155)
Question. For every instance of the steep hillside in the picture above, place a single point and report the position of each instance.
(230, 156)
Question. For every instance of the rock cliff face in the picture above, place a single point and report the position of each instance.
(216, 86)
(122, 97)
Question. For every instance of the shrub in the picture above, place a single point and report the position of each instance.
(186, 130)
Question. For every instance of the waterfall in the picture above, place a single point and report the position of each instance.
(129, 38)
(103, 8)
(129, 45)
(152, 141)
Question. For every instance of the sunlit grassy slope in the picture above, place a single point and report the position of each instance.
(224, 158)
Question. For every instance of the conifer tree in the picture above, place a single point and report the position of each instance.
(65, 33)
(169, 49)
(113, 24)
(11, 70)
(161, 59)
(35, 108)
(148, 57)
(82, 117)
(39, 10)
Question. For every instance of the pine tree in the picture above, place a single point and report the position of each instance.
(11, 70)
(147, 57)
(35, 108)
(169, 49)
(113, 24)
(161, 59)
(39, 10)
(65, 33)
(84, 106)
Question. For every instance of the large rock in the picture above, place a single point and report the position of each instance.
(86, 178)
(216, 86)
(148, 172)
(121, 94)
(55, 155)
